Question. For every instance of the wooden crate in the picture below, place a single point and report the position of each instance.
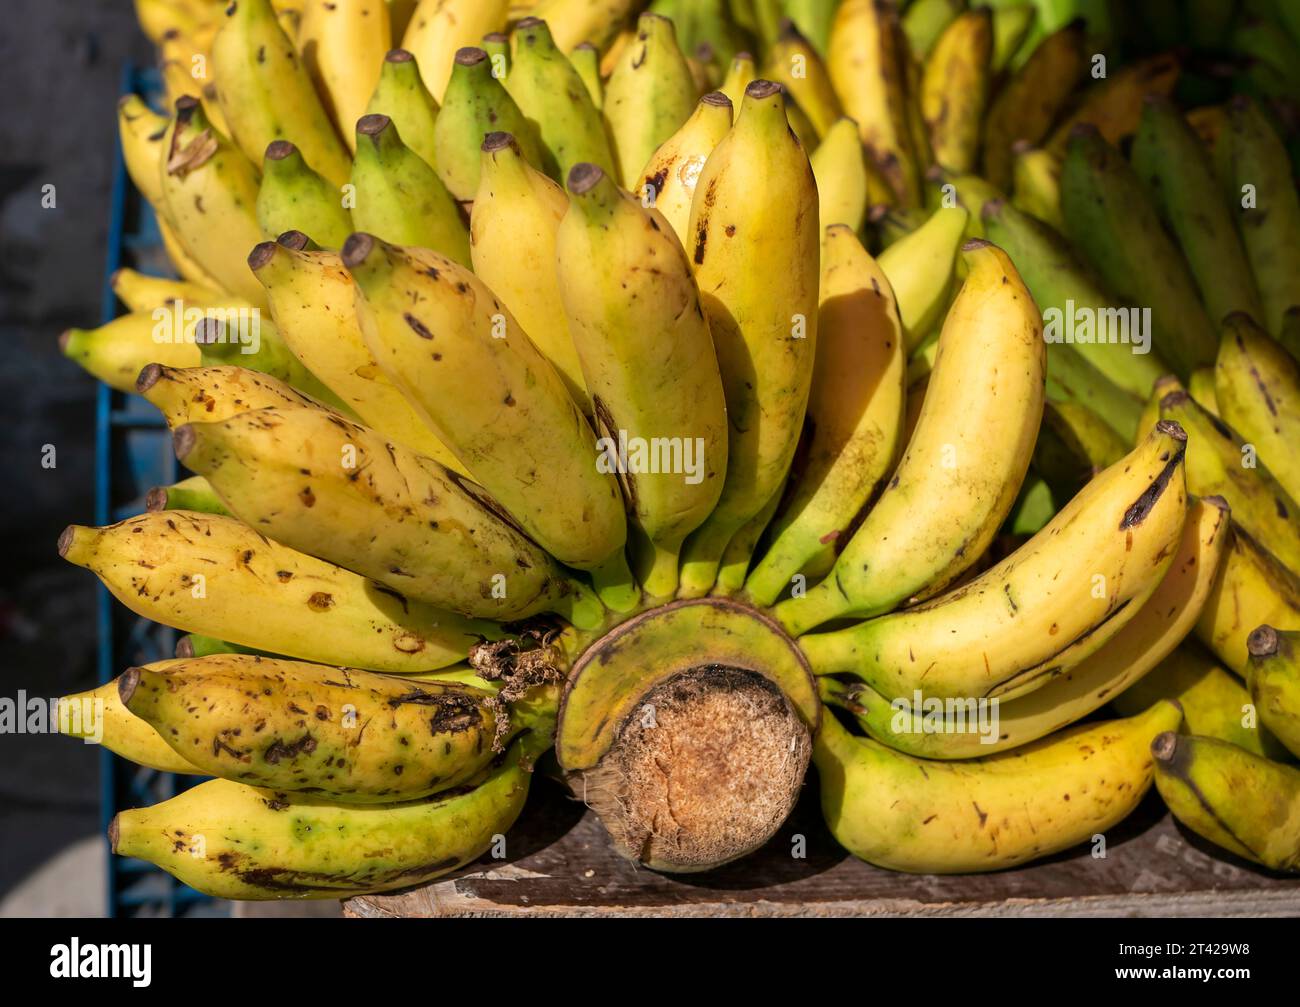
(560, 863)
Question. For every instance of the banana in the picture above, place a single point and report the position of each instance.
(925, 21)
(648, 97)
(209, 574)
(293, 197)
(963, 465)
(1215, 703)
(1172, 162)
(648, 361)
(99, 711)
(197, 645)
(185, 72)
(867, 58)
(1257, 392)
(334, 733)
(401, 95)
(209, 193)
(327, 487)
(1044, 608)
(143, 292)
(399, 197)
(193, 494)
(1036, 183)
(924, 817)
(1200, 386)
(1076, 307)
(668, 180)
(140, 132)
(186, 267)
(575, 21)
(586, 61)
(343, 46)
(754, 244)
(740, 74)
(1251, 589)
(1274, 679)
(553, 97)
(813, 18)
(469, 368)
(1114, 106)
(1218, 462)
(846, 183)
(266, 92)
(920, 269)
(1242, 802)
(439, 28)
(115, 352)
(1011, 25)
(474, 105)
(796, 65)
(1166, 618)
(739, 554)
(1267, 207)
(1032, 99)
(233, 841)
(1109, 216)
(158, 17)
(193, 394)
(856, 410)
(954, 91)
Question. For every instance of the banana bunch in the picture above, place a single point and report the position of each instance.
(706, 391)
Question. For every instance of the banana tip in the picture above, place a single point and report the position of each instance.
(1164, 746)
(470, 55)
(127, 684)
(114, 831)
(66, 538)
(357, 248)
(717, 98)
(155, 499)
(183, 439)
(293, 240)
(975, 244)
(497, 140)
(398, 56)
(65, 337)
(184, 647)
(278, 150)
(584, 177)
(373, 124)
(262, 253)
(1171, 428)
(148, 377)
(762, 88)
(992, 208)
(1262, 642)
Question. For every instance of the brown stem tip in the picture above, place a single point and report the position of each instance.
(212, 331)
(65, 540)
(278, 150)
(114, 830)
(149, 376)
(975, 244)
(1262, 642)
(1164, 746)
(184, 647)
(1172, 428)
(497, 140)
(584, 177)
(717, 98)
(127, 684)
(762, 88)
(398, 56)
(262, 253)
(357, 248)
(65, 337)
(470, 56)
(373, 124)
(183, 440)
(293, 240)
(156, 499)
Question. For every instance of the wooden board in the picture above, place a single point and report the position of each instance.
(559, 863)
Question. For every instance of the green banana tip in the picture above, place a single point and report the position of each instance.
(127, 684)
(373, 126)
(1262, 642)
(156, 499)
(470, 55)
(210, 331)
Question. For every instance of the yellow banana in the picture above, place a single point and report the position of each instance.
(846, 183)
(470, 369)
(1240, 801)
(185, 72)
(649, 364)
(1274, 679)
(964, 463)
(209, 193)
(1036, 183)
(214, 575)
(585, 58)
(867, 57)
(1168, 616)
(439, 27)
(740, 74)
(668, 180)
(1044, 608)
(920, 267)
(856, 410)
(313, 302)
(517, 212)
(401, 95)
(116, 351)
(141, 130)
(754, 244)
(343, 46)
(1257, 391)
(238, 842)
(193, 394)
(794, 64)
(1200, 386)
(317, 483)
(180, 259)
(924, 817)
(594, 21)
(144, 292)
(955, 89)
(1252, 588)
(266, 92)
(335, 733)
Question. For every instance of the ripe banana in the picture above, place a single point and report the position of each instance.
(955, 86)
(924, 817)
(668, 180)
(343, 46)
(846, 183)
(238, 842)
(1036, 183)
(329, 488)
(795, 64)
(754, 245)
(266, 91)
(1240, 801)
(141, 131)
(214, 575)
(1167, 616)
(193, 494)
(1274, 679)
(648, 97)
(209, 193)
(964, 463)
(399, 197)
(401, 95)
(1043, 609)
(920, 270)
(1257, 392)
(313, 302)
(335, 733)
(856, 410)
(212, 394)
(292, 196)
(648, 362)
(143, 292)
(740, 74)
(575, 21)
(115, 352)
(470, 369)
(439, 28)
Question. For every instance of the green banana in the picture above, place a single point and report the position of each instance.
(1274, 679)
(399, 197)
(1036, 183)
(198, 645)
(813, 19)
(402, 96)
(292, 196)
(1200, 386)
(586, 61)
(920, 267)
(1240, 801)
(924, 22)
(1011, 25)
(193, 494)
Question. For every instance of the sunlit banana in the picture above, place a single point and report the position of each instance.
(795, 64)
(955, 88)
(920, 270)
(343, 46)
(575, 21)
(668, 180)
(401, 95)
(440, 27)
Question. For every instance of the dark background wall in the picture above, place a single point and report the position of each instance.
(60, 66)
